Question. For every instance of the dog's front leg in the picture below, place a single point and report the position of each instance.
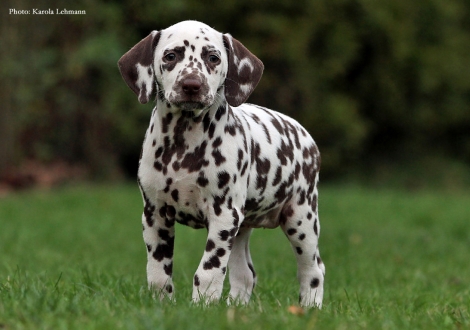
(210, 275)
(159, 237)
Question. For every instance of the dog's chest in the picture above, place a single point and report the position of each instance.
(176, 194)
(173, 173)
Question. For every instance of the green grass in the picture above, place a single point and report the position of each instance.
(74, 259)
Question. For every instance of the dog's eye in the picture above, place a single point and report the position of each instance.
(170, 57)
(214, 59)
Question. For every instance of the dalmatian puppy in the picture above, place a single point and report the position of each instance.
(211, 161)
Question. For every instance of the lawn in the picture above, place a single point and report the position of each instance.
(73, 258)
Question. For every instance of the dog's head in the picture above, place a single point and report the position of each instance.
(191, 66)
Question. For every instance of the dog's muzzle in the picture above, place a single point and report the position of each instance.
(192, 94)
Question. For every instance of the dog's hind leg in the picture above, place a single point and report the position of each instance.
(241, 272)
(301, 225)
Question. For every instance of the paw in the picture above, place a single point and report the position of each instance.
(162, 292)
(205, 298)
(239, 296)
(206, 292)
(313, 298)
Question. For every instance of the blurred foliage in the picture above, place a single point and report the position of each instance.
(373, 81)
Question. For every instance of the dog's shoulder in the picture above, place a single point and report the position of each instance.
(273, 124)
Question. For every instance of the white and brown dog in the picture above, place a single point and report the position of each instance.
(210, 161)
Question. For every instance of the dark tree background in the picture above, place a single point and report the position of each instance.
(382, 86)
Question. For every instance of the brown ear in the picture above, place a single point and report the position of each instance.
(244, 71)
(136, 67)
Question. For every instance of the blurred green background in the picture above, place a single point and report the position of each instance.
(382, 86)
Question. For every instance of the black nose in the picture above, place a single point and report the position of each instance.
(191, 86)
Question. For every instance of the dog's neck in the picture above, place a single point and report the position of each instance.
(187, 127)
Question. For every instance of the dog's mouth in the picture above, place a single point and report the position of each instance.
(190, 106)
